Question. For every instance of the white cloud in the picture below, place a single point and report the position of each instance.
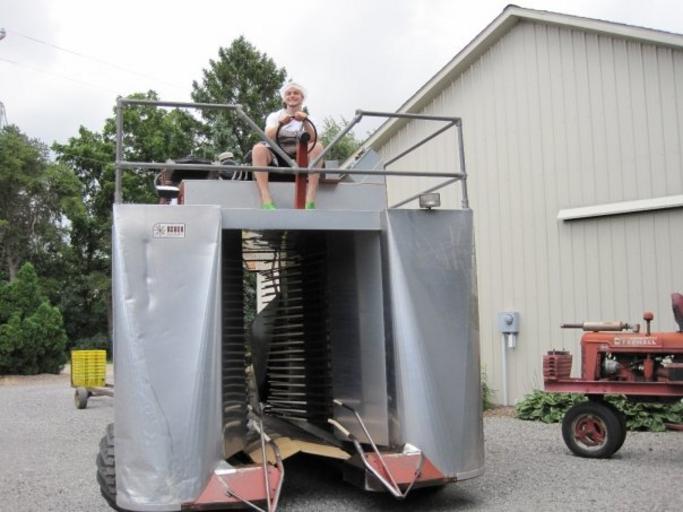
(350, 54)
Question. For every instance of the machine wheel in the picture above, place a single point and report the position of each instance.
(592, 429)
(81, 396)
(106, 467)
(622, 421)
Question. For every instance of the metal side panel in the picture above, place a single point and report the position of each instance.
(167, 355)
(357, 332)
(433, 346)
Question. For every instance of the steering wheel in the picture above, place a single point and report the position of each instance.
(311, 144)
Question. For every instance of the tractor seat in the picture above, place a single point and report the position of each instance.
(677, 305)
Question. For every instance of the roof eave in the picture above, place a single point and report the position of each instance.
(510, 16)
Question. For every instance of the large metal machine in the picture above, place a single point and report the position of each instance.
(616, 359)
(364, 350)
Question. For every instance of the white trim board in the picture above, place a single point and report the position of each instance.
(640, 205)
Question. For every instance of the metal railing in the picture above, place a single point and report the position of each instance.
(453, 177)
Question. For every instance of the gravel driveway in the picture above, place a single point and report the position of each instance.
(48, 448)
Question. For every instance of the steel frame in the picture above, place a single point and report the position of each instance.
(602, 387)
(456, 122)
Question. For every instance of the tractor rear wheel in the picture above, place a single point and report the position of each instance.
(592, 429)
(106, 467)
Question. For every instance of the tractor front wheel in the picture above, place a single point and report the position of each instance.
(592, 429)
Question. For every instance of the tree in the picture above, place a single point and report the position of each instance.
(345, 147)
(240, 75)
(36, 197)
(32, 336)
(245, 76)
(85, 287)
(151, 134)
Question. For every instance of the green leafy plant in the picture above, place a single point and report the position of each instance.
(486, 392)
(546, 407)
(550, 408)
(648, 416)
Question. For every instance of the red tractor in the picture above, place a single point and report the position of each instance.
(616, 359)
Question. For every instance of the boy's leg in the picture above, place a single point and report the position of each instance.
(313, 179)
(262, 157)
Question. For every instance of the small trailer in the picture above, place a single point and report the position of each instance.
(364, 350)
(89, 376)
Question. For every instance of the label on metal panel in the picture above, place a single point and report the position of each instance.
(167, 230)
(637, 342)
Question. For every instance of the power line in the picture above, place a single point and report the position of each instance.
(64, 77)
(3, 115)
(93, 58)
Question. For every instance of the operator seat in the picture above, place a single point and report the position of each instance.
(677, 305)
(167, 182)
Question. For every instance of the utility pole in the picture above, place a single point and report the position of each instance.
(3, 115)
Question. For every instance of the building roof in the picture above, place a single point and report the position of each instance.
(500, 26)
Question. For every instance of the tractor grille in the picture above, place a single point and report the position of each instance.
(557, 365)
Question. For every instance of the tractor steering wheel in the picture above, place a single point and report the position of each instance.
(311, 143)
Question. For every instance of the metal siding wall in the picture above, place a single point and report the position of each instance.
(556, 118)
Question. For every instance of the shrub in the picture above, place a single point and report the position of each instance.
(648, 416)
(32, 336)
(98, 342)
(550, 408)
(486, 392)
(546, 407)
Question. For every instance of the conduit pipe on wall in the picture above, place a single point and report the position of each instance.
(508, 325)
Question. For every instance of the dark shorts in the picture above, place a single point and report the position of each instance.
(278, 161)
